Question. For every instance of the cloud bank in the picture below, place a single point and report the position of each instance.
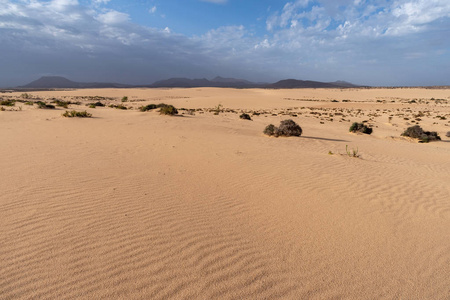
(367, 42)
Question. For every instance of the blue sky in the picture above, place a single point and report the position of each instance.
(373, 42)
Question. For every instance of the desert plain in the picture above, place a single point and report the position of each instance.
(203, 205)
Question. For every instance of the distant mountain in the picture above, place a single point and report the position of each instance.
(52, 82)
(299, 84)
(342, 83)
(216, 82)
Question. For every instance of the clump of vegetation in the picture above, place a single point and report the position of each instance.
(78, 114)
(124, 99)
(7, 102)
(150, 107)
(25, 96)
(168, 110)
(270, 130)
(218, 109)
(119, 106)
(245, 116)
(360, 127)
(44, 105)
(416, 132)
(95, 104)
(286, 128)
(60, 103)
(29, 103)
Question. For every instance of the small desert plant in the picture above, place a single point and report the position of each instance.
(119, 106)
(218, 109)
(149, 107)
(286, 128)
(78, 114)
(353, 153)
(95, 104)
(417, 132)
(29, 103)
(245, 116)
(44, 105)
(168, 110)
(8, 102)
(25, 96)
(124, 99)
(61, 103)
(360, 127)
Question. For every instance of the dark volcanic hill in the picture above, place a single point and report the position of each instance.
(55, 82)
(299, 84)
(52, 82)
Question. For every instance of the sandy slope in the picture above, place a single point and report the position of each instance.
(137, 205)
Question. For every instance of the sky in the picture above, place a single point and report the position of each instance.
(368, 42)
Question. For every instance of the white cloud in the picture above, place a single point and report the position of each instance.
(113, 17)
(352, 40)
(152, 10)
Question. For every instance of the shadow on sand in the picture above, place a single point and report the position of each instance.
(323, 139)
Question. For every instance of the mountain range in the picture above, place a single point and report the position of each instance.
(51, 82)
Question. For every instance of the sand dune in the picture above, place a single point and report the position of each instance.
(136, 205)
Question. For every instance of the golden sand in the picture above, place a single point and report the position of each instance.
(136, 205)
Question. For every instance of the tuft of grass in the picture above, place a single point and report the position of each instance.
(353, 153)
(77, 114)
(28, 103)
(124, 99)
(25, 96)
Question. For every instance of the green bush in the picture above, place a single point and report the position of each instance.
(61, 103)
(149, 107)
(120, 106)
(245, 116)
(95, 104)
(124, 99)
(78, 114)
(286, 128)
(416, 132)
(360, 127)
(44, 105)
(168, 110)
(7, 102)
(289, 128)
(270, 130)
